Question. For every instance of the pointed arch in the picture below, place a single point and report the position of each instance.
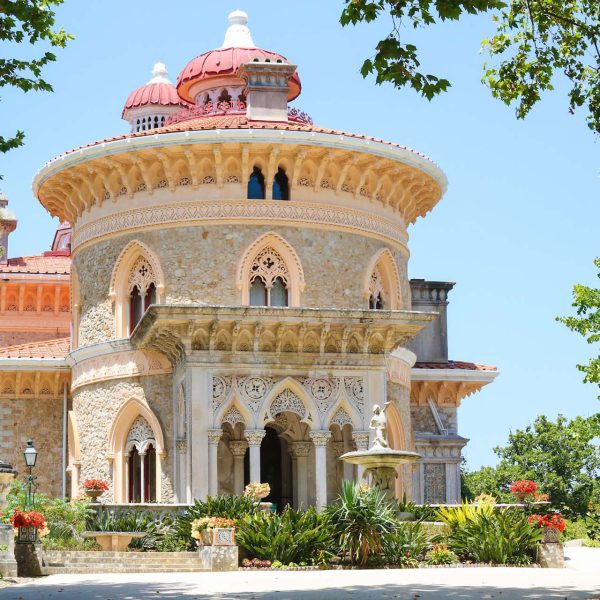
(74, 455)
(119, 282)
(275, 241)
(356, 419)
(117, 442)
(382, 272)
(310, 416)
(236, 405)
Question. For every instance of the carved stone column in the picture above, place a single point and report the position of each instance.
(214, 435)
(183, 485)
(361, 439)
(255, 437)
(320, 439)
(238, 450)
(300, 451)
(338, 450)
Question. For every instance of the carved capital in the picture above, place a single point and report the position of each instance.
(300, 449)
(255, 436)
(320, 438)
(362, 439)
(214, 435)
(238, 447)
(338, 448)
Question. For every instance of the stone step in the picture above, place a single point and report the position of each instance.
(100, 568)
(74, 559)
(119, 555)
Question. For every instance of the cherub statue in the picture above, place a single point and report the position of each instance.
(379, 424)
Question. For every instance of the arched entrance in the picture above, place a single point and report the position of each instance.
(271, 462)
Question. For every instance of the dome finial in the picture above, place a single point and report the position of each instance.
(238, 35)
(159, 73)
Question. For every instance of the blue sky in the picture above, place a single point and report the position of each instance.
(519, 223)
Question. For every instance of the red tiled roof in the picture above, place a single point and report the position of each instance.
(57, 348)
(454, 364)
(226, 61)
(240, 122)
(50, 263)
(163, 94)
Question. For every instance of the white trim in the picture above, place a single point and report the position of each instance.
(453, 375)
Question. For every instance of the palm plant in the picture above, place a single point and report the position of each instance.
(360, 519)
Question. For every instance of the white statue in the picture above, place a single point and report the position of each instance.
(379, 424)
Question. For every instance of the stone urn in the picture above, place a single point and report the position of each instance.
(93, 495)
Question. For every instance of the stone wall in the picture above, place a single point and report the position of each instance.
(200, 266)
(96, 407)
(423, 420)
(41, 420)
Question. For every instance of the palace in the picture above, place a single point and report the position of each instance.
(226, 299)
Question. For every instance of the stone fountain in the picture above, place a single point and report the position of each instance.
(380, 461)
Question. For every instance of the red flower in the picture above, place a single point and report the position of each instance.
(524, 486)
(23, 518)
(95, 484)
(554, 521)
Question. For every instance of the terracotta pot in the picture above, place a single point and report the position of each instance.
(93, 495)
(223, 536)
(551, 535)
(521, 496)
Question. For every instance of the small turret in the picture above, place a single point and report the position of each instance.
(8, 223)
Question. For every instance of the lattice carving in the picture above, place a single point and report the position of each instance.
(287, 401)
(185, 181)
(341, 418)
(324, 391)
(208, 179)
(141, 275)
(234, 416)
(254, 390)
(268, 265)
(355, 391)
(376, 286)
(221, 387)
(140, 435)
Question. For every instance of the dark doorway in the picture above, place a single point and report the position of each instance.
(270, 465)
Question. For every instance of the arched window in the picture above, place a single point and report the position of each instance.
(269, 279)
(281, 188)
(256, 185)
(376, 291)
(141, 462)
(142, 291)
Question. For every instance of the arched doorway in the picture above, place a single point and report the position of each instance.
(271, 461)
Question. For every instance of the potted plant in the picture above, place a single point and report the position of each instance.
(258, 491)
(214, 531)
(553, 526)
(29, 525)
(94, 488)
(523, 488)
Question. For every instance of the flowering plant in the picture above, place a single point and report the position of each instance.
(554, 521)
(541, 497)
(95, 484)
(485, 499)
(258, 491)
(24, 518)
(524, 486)
(199, 525)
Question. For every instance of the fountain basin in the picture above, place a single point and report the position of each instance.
(375, 458)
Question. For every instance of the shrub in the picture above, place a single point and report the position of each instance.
(440, 555)
(292, 536)
(457, 516)
(575, 530)
(66, 521)
(360, 518)
(405, 545)
(502, 537)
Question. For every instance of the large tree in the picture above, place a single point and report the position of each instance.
(535, 40)
(562, 456)
(30, 21)
(587, 302)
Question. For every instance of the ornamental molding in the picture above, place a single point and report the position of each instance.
(254, 437)
(361, 438)
(214, 436)
(140, 436)
(242, 212)
(238, 447)
(341, 418)
(320, 438)
(120, 365)
(233, 416)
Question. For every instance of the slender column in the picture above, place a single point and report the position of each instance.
(338, 450)
(255, 437)
(238, 450)
(348, 468)
(294, 479)
(181, 458)
(214, 435)
(361, 438)
(320, 439)
(300, 451)
(142, 477)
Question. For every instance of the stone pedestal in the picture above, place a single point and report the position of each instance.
(30, 559)
(551, 556)
(7, 474)
(219, 558)
(8, 564)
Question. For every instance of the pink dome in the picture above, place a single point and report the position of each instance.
(226, 61)
(158, 91)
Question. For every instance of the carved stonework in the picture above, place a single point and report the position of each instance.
(141, 276)
(355, 391)
(181, 446)
(255, 436)
(376, 287)
(300, 449)
(254, 390)
(324, 391)
(140, 435)
(234, 416)
(338, 448)
(341, 418)
(214, 436)
(238, 447)
(320, 438)
(221, 387)
(268, 265)
(287, 401)
(361, 438)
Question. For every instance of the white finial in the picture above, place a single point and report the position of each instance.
(159, 73)
(238, 35)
